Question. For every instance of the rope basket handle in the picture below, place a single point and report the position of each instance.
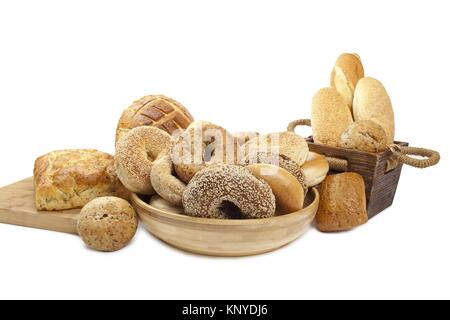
(401, 153)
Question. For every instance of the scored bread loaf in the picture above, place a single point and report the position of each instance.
(342, 203)
(330, 117)
(372, 102)
(154, 110)
(345, 75)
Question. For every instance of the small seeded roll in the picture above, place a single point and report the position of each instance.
(228, 191)
(135, 153)
(107, 224)
(342, 203)
(364, 135)
(330, 117)
(164, 182)
(281, 161)
(346, 73)
(288, 144)
(372, 102)
(287, 189)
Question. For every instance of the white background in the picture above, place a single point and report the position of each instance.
(68, 69)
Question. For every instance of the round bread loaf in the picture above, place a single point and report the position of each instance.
(372, 102)
(364, 135)
(135, 153)
(107, 224)
(287, 143)
(154, 110)
(346, 73)
(228, 191)
(330, 116)
(288, 191)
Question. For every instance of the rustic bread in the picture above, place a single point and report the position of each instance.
(372, 102)
(346, 73)
(69, 179)
(342, 203)
(107, 224)
(155, 110)
(364, 135)
(330, 117)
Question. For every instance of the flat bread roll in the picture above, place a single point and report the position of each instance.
(330, 117)
(372, 102)
(346, 73)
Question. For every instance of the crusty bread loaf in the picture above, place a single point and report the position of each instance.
(346, 73)
(156, 110)
(288, 191)
(107, 224)
(342, 203)
(372, 102)
(69, 179)
(364, 135)
(330, 117)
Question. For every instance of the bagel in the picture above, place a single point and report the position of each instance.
(288, 144)
(228, 191)
(288, 191)
(315, 169)
(281, 161)
(202, 144)
(135, 153)
(164, 182)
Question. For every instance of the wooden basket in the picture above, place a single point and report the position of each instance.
(381, 171)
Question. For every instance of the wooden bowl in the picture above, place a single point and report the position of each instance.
(217, 237)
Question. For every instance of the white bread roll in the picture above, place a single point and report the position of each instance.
(330, 117)
(372, 102)
(346, 73)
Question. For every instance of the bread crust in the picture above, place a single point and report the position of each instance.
(69, 179)
(330, 117)
(372, 102)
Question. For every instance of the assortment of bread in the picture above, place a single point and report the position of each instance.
(199, 169)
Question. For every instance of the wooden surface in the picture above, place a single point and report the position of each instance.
(217, 237)
(17, 207)
(381, 183)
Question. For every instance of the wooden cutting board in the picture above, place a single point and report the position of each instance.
(17, 207)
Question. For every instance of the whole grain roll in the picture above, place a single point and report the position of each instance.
(342, 203)
(372, 102)
(330, 117)
(364, 135)
(347, 71)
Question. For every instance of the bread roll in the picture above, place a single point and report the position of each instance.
(315, 169)
(330, 117)
(342, 203)
(107, 224)
(287, 189)
(372, 102)
(364, 135)
(346, 74)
